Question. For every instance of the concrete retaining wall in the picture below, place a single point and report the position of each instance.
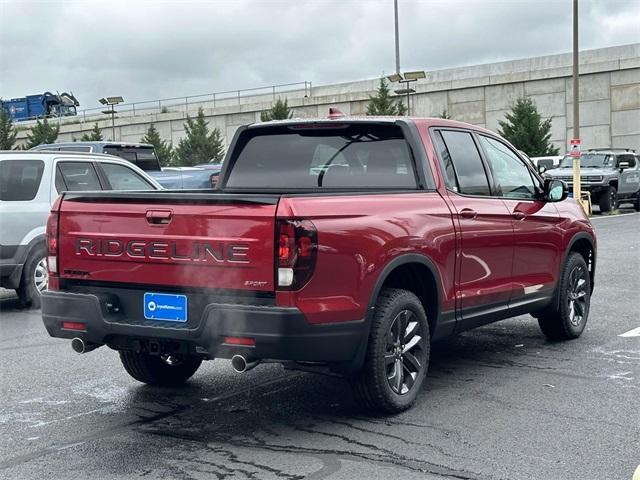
(480, 94)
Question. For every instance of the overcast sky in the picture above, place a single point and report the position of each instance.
(150, 49)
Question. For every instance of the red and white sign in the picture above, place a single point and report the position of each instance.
(575, 147)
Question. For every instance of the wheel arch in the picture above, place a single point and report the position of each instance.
(428, 290)
(400, 271)
(583, 244)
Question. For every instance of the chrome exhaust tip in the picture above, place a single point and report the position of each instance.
(80, 346)
(241, 364)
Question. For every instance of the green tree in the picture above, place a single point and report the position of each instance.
(383, 104)
(7, 132)
(525, 129)
(94, 136)
(445, 114)
(163, 148)
(199, 145)
(279, 111)
(42, 132)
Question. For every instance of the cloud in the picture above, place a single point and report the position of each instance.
(145, 50)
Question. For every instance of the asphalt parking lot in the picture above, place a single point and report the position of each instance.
(500, 402)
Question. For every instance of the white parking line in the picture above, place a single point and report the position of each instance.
(631, 333)
(600, 217)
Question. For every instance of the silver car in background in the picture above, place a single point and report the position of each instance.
(30, 181)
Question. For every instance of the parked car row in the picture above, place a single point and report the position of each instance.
(144, 156)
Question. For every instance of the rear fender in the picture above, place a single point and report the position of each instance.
(358, 360)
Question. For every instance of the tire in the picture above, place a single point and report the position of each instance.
(388, 355)
(567, 318)
(636, 204)
(159, 370)
(608, 199)
(35, 278)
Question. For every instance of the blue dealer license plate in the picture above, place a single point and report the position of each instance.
(166, 307)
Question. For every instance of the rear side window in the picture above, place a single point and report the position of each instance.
(20, 179)
(123, 178)
(351, 156)
(77, 149)
(143, 157)
(446, 163)
(469, 170)
(78, 176)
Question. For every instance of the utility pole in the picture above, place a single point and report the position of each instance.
(395, 11)
(577, 194)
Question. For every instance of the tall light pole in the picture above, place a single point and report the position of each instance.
(111, 102)
(577, 194)
(395, 12)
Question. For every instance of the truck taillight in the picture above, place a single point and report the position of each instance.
(52, 245)
(296, 251)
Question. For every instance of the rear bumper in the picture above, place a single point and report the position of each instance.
(279, 333)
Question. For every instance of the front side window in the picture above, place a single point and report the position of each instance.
(467, 164)
(20, 179)
(123, 178)
(511, 174)
(78, 176)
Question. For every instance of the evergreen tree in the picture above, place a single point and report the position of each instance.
(94, 136)
(42, 132)
(279, 111)
(7, 131)
(383, 104)
(164, 149)
(526, 130)
(199, 145)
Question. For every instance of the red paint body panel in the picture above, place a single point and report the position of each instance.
(505, 252)
(358, 236)
(250, 226)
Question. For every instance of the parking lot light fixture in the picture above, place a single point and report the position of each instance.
(406, 78)
(111, 102)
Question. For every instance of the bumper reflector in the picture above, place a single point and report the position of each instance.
(245, 341)
(74, 326)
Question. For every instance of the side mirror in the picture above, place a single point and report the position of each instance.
(623, 165)
(555, 190)
(541, 169)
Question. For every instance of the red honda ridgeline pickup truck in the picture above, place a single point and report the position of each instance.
(344, 243)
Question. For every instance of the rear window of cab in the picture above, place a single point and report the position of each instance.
(350, 156)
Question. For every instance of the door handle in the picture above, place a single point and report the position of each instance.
(159, 217)
(519, 215)
(468, 213)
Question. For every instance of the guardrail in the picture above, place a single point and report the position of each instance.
(191, 102)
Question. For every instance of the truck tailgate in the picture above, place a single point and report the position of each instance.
(182, 239)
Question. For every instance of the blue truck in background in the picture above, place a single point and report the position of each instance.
(40, 106)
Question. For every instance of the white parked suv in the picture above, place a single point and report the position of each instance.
(29, 183)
